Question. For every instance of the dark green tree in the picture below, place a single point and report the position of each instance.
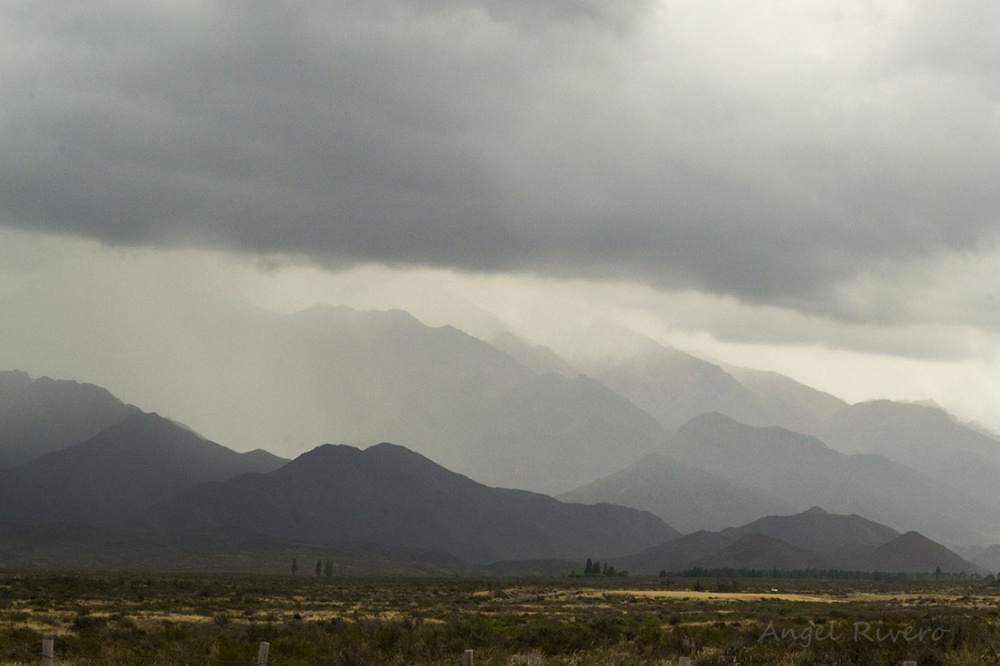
(589, 568)
(319, 568)
(295, 566)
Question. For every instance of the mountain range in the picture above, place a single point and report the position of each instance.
(385, 504)
(702, 445)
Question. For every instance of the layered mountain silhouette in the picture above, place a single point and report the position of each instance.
(118, 472)
(805, 472)
(390, 495)
(147, 493)
(704, 446)
(813, 539)
(41, 415)
(769, 469)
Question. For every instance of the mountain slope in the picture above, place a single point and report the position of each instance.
(762, 552)
(675, 555)
(788, 403)
(120, 471)
(555, 433)
(539, 358)
(387, 494)
(685, 496)
(925, 438)
(43, 415)
(675, 387)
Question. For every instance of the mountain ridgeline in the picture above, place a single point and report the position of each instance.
(637, 448)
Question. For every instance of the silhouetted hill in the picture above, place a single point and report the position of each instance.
(819, 531)
(760, 551)
(912, 552)
(120, 471)
(685, 496)
(387, 494)
(674, 555)
(43, 415)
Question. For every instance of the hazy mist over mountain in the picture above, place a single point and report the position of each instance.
(286, 383)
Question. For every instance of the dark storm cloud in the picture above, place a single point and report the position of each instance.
(714, 149)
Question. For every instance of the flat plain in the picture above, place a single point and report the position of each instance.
(110, 619)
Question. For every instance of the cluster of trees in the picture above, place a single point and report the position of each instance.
(324, 568)
(594, 568)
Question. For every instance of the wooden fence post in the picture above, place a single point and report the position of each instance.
(467, 658)
(48, 651)
(684, 661)
(262, 654)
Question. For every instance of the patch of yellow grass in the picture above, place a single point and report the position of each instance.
(717, 596)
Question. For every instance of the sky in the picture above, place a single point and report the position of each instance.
(804, 187)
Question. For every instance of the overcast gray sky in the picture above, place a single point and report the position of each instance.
(808, 186)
